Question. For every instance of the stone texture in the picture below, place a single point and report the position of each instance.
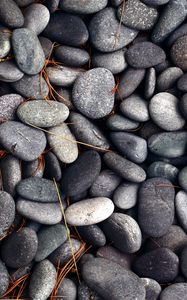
(9, 72)
(7, 206)
(8, 105)
(10, 14)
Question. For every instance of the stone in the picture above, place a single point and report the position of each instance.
(183, 105)
(117, 122)
(63, 143)
(23, 3)
(10, 14)
(152, 287)
(21, 140)
(156, 206)
(9, 72)
(82, 7)
(182, 178)
(168, 78)
(137, 15)
(144, 55)
(89, 211)
(34, 168)
(152, 265)
(181, 85)
(52, 167)
(19, 249)
(47, 45)
(164, 170)
(92, 235)
(177, 290)
(36, 17)
(28, 51)
(64, 96)
(43, 113)
(71, 56)
(126, 195)
(130, 145)
(112, 281)
(92, 93)
(181, 208)
(135, 108)
(66, 29)
(155, 3)
(49, 239)
(52, 5)
(78, 177)
(178, 53)
(148, 129)
(16, 274)
(43, 213)
(85, 293)
(4, 278)
(124, 168)
(67, 290)
(104, 31)
(43, 280)
(7, 216)
(177, 33)
(63, 76)
(8, 106)
(183, 261)
(5, 44)
(150, 83)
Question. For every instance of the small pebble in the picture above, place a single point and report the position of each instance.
(168, 78)
(181, 208)
(4, 278)
(152, 287)
(5, 44)
(71, 56)
(82, 7)
(150, 83)
(52, 5)
(52, 167)
(9, 72)
(119, 123)
(182, 178)
(10, 14)
(63, 76)
(8, 106)
(178, 53)
(126, 195)
(92, 235)
(164, 170)
(175, 291)
(7, 207)
(67, 290)
(180, 31)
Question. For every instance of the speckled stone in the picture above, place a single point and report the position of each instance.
(181, 208)
(43, 280)
(168, 78)
(178, 53)
(92, 93)
(126, 195)
(9, 72)
(5, 44)
(85, 293)
(63, 76)
(136, 108)
(71, 56)
(92, 235)
(82, 7)
(119, 123)
(152, 287)
(175, 291)
(10, 14)
(7, 206)
(104, 28)
(67, 290)
(150, 83)
(4, 278)
(8, 105)
(163, 169)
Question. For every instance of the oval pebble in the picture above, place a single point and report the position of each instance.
(182, 178)
(4, 278)
(92, 235)
(135, 108)
(126, 195)
(92, 93)
(152, 287)
(47, 45)
(119, 123)
(180, 31)
(85, 293)
(8, 105)
(71, 56)
(63, 76)
(181, 208)
(89, 211)
(43, 113)
(164, 170)
(83, 7)
(178, 53)
(150, 83)
(5, 44)
(10, 14)
(175, 291)
(52, 167)
(34, 168)
(43, 280)
(67, 290)
(9, 72)
(23, 3)
(7, 207)
(168, 78)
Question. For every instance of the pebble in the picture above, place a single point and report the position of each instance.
(126, 195)
(137, 15)
(4, 278)
(183, 105)
(182, 178)
(121, 227)
(16, 274)
(66, 29)
(114, 61)
(136, 108)
(148, 129)
(105, 184)
(85, 293)
(130, 145)
(71, 56)
(63, 143)
(152, 287)
(67, 290)
(182, 85)
(168, 78)
(52, 5)
(171, 17)
(181, 208)
(92, 235)
(92, 93)
(178, 53)
(183, 261)
(33, 87)
(164, 111)
(175, 291)
(9, 72)
(144, 55)
(47, 45)
(180, 31)
(83, 7)
(156, 206)
(130, 79)
(44, 213)
(155, 3)
(43, 280)
(19, 249)
(150, 83)
(10, 14)
(7, 207)
(89, 211)
(153, 265)
(63, 76)
(23, 3)
(168, 144)
(8, 106)
(28, 51)
(164, 170)
(124, 168)
(64, 96)
(11, 173)
(21, 140)
(119, 123)
(37, 189)
(43, 113)
(99, 274)
(49, 239)
(116, 2)
(34, 168)
(78, 177)
(87, 132)
(36, 17)
(5, 44)
(52, 167)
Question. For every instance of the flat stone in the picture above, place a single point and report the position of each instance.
(5, 44)
(78, 177)
(63, 76)
(52, 167)
(71, 56)
(156, 206)
(104, 31)
(177, 290)
(164, 170)
(136, 108)
(121, 227)
(9, 72)
(36, 17)
(66, 29)
(178, 53)
(152, 265)
(119, 123)
(7, 206)
(43, 280)
(124, 168)
(21, 140)
(92, 235)
(152, 287)
(83, 7)
(43, 213)
(47, 45)
(10, 14)
(137, 15)
(171, 17)
(63, 143)
(99, 274)
(168, 78)
(126, 195)
(67, 290)
(8, 106)
(4, 278)
(43, 113)
(49, 239)
(150, 83)
(130, 145)
(144, 55)
(28, 51)
(92, 93)
(19, 249)
(180, 31)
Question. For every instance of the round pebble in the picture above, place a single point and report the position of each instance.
(175, 291)
(168, 78)
(4, 278)
(63, 76)
(119, 123)
(135, 108)
(5, 44)
(71, 56)
(179, 52)
(8, 106)
(7, 206)
(9, 72)
(164, 170)
(152, 287)
(92, 235)
(126, 195)
(83, 7)
(67, 290)
(10, 14)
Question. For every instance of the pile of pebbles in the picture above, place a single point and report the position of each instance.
(93, 147)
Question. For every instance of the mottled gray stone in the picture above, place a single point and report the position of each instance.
(5, 44)
(152, 287)
(9, 72)
(180, 31)
(7, 215)
(34, 168)
(71, 56)
(92, 235)
(82, 6)
(67, 290)
(63, 76)
(8, 105)
(178, 53)
(168, 78)
(85, 293)
(175, 291)
(10, 14)
(126, 195)
(4, 278)
(136, 108)
(150, 83)
(163, 169)
(119, 123)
